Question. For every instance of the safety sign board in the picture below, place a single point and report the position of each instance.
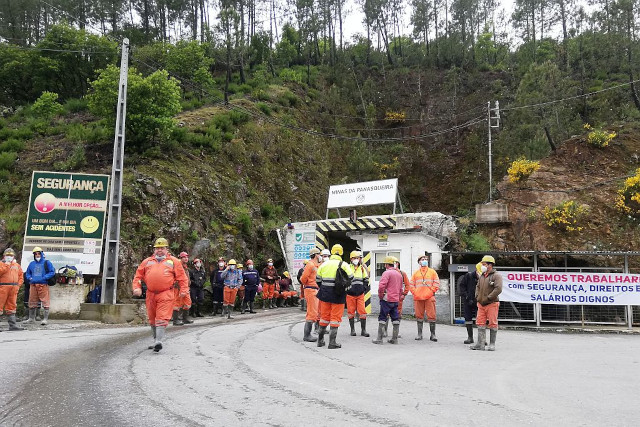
(66, 218)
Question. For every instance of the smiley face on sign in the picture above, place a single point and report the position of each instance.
(89, 224)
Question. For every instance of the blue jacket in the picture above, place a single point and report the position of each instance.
(216, 279)
(251, 278)
(232, 278)
(40, 272)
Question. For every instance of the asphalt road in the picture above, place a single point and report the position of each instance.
(257, 371)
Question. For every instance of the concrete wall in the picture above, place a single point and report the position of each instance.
(66, 300)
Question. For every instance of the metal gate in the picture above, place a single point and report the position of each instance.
(551, 261)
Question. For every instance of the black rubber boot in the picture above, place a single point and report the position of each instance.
(303, 305)
(176, 318)
(353, 327)
(333, 334)
(251, 307)
(198, 310)
(242, 307)
(386, 327)
(229, 307)
(321, 332)
(469, 339)
(307, 332)
(363, 327)
(420, 326)
(185, 317)
(432, 328)
(381, 328)
(316, 326)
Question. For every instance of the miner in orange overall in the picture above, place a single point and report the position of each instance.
(11, 279)
(424, 285)
(310, 289)
(269, 275)
(355, 294)
(160, 272)
(182, 305)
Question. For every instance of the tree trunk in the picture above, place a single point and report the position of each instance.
(549, 138)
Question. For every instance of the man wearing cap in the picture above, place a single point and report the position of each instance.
(355, 294)
(217, 287)
(232, 281)
(182, 304)
(251, 280)
(310, 289)
(467, 290)
(269, 276)
(10, 281)
(487, 291)
(331, 302)
(160, 271)
(389, 292)
(39, 271)
(241, 289)
(197, 277)
(424, 285)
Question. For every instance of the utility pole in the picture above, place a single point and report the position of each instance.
(493, 121)
(112, 244)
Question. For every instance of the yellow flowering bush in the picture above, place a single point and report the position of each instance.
(522, 169)
(395, 116)
(598, 137)
(628, 198)
(566, 216)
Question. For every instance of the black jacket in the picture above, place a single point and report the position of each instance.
(197, 278)
(467, 287)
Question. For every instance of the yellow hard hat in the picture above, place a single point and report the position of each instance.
(305, 262)
(390, 259)
(9, 251)
(337, 249)
(286, 274)
(479, 267)
(161, 242)
(37, 249)
(355, 254)
(488, 258)
(240, 266)
(232, 262)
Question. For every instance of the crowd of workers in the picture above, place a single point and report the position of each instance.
(175, 292)
(327, 283)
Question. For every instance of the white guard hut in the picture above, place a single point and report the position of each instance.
(405, 236)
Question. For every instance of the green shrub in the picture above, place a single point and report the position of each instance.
(476, 242)
(76, 160)
(260, 95)
(289, 75)
(238, 117)
(6, 133)
(23, 133)
(75, 105)
(15, 223)
(264, 108)
(245, 88)
(7, 160)
(47, 106)
(77, 132)
(13, 145)
(271, 211)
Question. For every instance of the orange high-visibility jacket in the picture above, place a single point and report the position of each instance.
(11, 273)
(424, 283)
(308, 278)
(160, 276)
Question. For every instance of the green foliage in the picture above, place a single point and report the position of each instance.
(289, 75)
(47, 106)
(264, 108)
(7, 160)
(269, 211)
(152, 102)
(12, 145)
(598, 137)
(90, 133)
(628, 198)
(475, 242)
(242, 217)
(74, 105)
(75, 161)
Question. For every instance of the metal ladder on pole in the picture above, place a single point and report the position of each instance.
(112, 243)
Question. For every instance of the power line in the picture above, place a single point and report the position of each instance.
(541, 104)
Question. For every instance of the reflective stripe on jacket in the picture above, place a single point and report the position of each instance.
(360, 275)
(161, 275)
(326, 277)
(424, 283)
